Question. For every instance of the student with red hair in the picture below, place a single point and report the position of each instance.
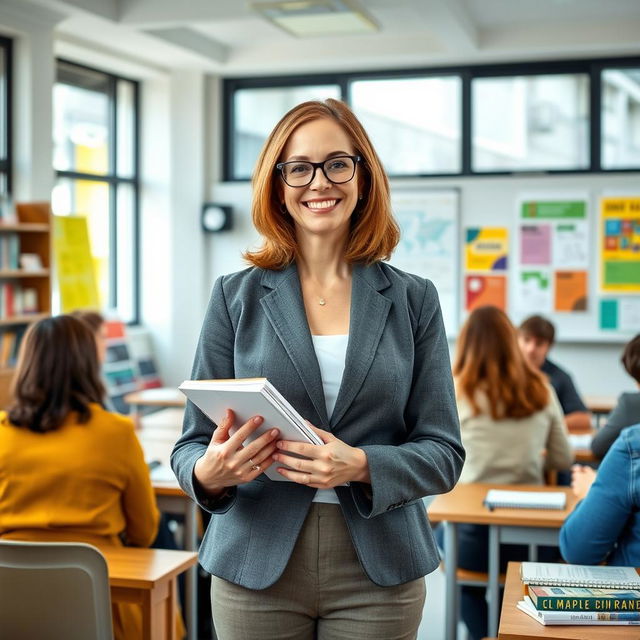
(512, 430)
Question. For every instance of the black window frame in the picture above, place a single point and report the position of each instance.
(6, 162)
(592, 67)
(113, 181)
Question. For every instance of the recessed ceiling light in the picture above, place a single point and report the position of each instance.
(306, 18)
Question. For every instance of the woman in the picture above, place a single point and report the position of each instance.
(512, 429)
(358, 348)
(605, 525)
(69, 470)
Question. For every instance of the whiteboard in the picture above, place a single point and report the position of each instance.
(429, 243)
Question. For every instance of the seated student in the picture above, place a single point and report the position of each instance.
(627, 409)
(535, 336)
(605, 525)
(69, 470)
(512, 428)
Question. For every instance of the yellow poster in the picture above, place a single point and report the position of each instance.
(486, 249)
(620, 244)
(74, 264)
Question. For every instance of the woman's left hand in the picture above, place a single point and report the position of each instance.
(328, 465)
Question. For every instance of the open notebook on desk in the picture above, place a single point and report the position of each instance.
(499, 498)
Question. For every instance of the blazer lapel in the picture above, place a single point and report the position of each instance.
(369, 311)
(284, 309)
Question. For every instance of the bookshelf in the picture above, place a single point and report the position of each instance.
(25, 290)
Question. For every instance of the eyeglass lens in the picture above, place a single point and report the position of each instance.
(337, 170)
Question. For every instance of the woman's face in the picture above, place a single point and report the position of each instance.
(321, 207)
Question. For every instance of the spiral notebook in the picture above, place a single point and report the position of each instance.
(546, 574)
(499, 498)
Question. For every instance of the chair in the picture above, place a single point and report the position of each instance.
(54, 590)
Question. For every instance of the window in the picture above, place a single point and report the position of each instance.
(563, 116)
(530, 123)
(620, 113)
(256, 112)
(96, 160)
(415, 124)
(5, 118)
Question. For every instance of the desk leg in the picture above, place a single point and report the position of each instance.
(493, 588)
(191, 577)
(451, 588)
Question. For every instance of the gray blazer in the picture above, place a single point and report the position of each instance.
(396, 402)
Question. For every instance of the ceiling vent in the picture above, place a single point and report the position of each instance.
(309, 18)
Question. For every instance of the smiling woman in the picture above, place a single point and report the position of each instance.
(358, 348)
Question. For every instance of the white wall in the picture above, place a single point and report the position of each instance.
(484, 201)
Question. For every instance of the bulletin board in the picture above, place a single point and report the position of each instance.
(576, 260)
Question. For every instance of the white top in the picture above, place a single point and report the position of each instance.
(331, 352)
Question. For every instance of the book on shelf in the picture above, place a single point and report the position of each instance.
(578, 617)
(499, 498)
(16, 300)
(9, 251)
(547, 574)
(249, 397)
(584, 599)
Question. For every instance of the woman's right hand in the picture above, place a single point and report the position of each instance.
(226, 463)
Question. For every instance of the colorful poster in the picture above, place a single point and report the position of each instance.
(620, 314)
(74, 264)
(535, 244)
(571, 291)
(486, 249)
(533, 292)
(484, 290)
(553, 209)
(620, 245)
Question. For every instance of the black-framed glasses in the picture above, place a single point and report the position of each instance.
(299, 173)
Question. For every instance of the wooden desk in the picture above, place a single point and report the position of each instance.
(517, 625)
(157, 442)
(600, 406)
(160, 397)
(148, 577)
(532, 527)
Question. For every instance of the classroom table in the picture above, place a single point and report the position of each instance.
(517, 625)
(157, 437)
(148, 577)
(600, 406)
(532, 527)
(165, 398)
(581, 445)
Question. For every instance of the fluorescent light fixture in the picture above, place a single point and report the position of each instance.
(307, 18)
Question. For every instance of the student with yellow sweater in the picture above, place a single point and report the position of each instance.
(69, 470)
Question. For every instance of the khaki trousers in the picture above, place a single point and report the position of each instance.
(323, 594)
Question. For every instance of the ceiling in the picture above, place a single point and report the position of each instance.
(229, 38)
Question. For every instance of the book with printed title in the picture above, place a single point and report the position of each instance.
(586, 599)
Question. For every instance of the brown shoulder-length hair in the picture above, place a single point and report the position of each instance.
(374, 232)
(489, 360)
(57, 373)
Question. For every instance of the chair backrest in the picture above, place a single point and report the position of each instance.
(54, 590)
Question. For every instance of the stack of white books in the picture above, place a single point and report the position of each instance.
(249, 397)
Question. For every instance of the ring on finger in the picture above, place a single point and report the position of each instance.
(254, 466)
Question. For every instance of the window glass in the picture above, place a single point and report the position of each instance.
(620, 119)
(81, 121)
(530, 122)
(257, 111)
(414, 123)
(126, 128)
